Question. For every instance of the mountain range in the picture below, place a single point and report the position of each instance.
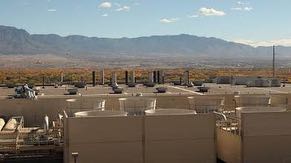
(18, 41)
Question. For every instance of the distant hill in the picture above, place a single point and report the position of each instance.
(18, 41)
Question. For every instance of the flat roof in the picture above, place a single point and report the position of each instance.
(172, 90)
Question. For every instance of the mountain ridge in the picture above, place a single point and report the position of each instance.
(19, 41)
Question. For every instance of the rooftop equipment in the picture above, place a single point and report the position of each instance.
(113, 82)
(126, 77)
(100, 113)
(36, 90)
(136, 105)
(223, 80)
(161, 77)
(2, 123)
(203, 89)
(117, 90)
(161, 89)
(46, 126)
(240, 110)
(131, 80)
(80, 104)
(14, 123)
(155, 76)
(275, 82)
(131, 84)
(206, 104)
(94, 78)
(10, 85)
(102, 79)
(72, 91)
(158, 77)
(151, 80)
(186, 75)
(25, 92)
(62, 78)
(149, 84)
(150, 77)
(198, 83)
(190, 84)
(157, 112)
(99, 104)
(260, 82)
(252, 100)
(177, 82)
(277, 100)
(255, 134)
(132, 77)
(81, 84)
(242, 80)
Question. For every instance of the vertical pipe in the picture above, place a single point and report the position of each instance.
(43, 80)
(274, 61)
(162, 75)
(113, 78)
(186, 77)
(102, 77)
(94, 78)
(62, 77)
(151, 77)
(155, 76)
(158, 77)
(126, 77)
(133, 80)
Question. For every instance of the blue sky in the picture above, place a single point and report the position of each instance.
(253, 21)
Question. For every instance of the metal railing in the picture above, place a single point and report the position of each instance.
(228, 123)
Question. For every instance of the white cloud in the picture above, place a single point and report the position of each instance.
(123, 8)
(248, 8)
(211, 12)
(105, 5)
(193, 16)
(104, 15)
(237, 8)
(242, 3)
(51, 10)
(168, 20)
(282, 42)
(242, 8)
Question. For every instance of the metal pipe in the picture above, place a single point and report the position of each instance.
(102, 77)
(221, 115)
(94, 78)
(126, 77)
(274, 51)
(155, 76)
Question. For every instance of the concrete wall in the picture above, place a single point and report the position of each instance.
(35, 110)
(187, 139)
(289, 101)
(228, 146)
(150, 139)
(108, 140)
(266, 137)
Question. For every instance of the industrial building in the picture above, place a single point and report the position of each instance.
(229, 123)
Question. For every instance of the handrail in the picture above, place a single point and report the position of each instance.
(221, 114)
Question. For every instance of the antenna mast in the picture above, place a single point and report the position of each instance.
(274, 51)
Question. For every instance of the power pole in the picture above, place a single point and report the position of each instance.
(274, 52)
